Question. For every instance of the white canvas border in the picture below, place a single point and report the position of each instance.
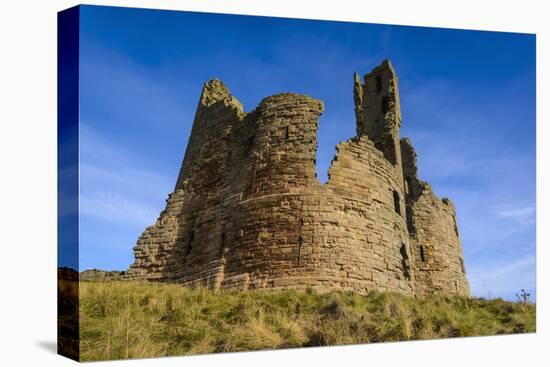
(28, 151)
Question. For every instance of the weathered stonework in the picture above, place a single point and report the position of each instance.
(248, 211)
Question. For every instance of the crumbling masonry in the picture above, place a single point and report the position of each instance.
(248, 211)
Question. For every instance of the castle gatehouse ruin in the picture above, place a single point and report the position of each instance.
(248, 211)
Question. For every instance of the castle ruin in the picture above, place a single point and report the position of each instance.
(248, 211)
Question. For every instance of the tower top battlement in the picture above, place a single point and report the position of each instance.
(378, 109)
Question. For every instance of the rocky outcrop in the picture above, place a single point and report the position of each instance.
(101, 275)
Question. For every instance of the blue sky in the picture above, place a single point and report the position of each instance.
(468, 104)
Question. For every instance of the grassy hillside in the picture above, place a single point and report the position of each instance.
(136, 320)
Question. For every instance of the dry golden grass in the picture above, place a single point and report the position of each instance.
(139, 319)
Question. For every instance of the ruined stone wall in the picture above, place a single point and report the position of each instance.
(248, 211)
(369, 228)
(438, 260)
(345, 234)
(159, 250)
(184, 242)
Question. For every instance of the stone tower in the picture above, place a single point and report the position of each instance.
(378, 110)
(248, 211)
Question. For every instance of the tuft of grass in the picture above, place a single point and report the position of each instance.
(140, 319)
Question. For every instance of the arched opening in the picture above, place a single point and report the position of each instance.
(396, 202)
(385, 104)
(249, 145)
(190, 242)
(378, 84)
(405, 263)
(409, 186)
(300, 243)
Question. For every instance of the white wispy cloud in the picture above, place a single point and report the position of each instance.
(114, 186)
(518, 214)
(500, 270)
(503, 278)
(130, 179)
(115, 208)
(462, 155)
